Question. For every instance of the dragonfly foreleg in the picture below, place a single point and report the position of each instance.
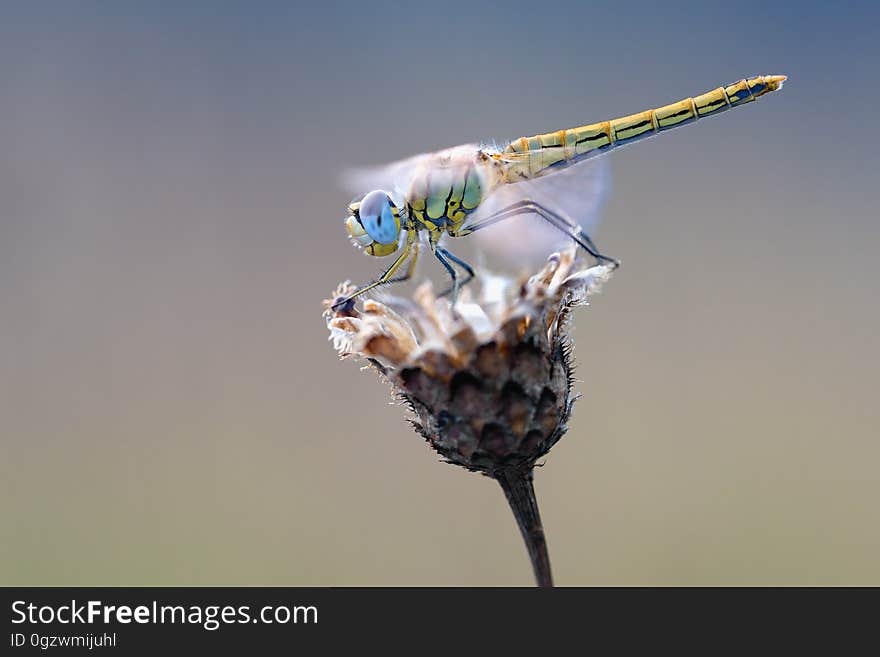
(410, 269)
(444, 257)
(560, 223)
(386, 277)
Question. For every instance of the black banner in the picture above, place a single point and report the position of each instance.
(149, 620)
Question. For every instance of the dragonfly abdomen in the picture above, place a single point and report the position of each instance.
(530, 157)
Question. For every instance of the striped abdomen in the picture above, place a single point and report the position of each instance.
(533, 156)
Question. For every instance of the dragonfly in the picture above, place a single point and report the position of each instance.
(465, 189)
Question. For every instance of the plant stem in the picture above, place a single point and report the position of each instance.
(520, 492)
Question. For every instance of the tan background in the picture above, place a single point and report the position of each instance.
(172, 412)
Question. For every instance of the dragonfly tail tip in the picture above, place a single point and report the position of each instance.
(775, 81)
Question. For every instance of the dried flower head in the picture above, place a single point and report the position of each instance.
(489, 381)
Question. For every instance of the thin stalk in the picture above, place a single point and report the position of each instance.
(519, 489)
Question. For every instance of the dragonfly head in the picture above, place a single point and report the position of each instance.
(374, 223)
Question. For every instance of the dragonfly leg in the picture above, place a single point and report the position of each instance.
(444, 257)
(560, 223)
(410, 269)
(386, 277)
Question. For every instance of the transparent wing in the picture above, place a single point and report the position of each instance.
(576, 193)
(397, 176)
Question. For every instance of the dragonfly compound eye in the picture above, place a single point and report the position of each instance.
(379, 217)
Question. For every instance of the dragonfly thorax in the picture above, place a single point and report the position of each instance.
(440, 198)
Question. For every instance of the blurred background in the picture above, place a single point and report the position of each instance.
(171, 218)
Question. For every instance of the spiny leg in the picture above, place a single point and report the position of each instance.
(456, 284)
(573, 231)
(443, 261)
(384, 278)
(531, 207)
(410, 269)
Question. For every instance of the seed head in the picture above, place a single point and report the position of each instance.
(490, 381)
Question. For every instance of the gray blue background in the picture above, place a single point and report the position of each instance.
(170, 218)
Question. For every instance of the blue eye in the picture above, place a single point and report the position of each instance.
(379, 217)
